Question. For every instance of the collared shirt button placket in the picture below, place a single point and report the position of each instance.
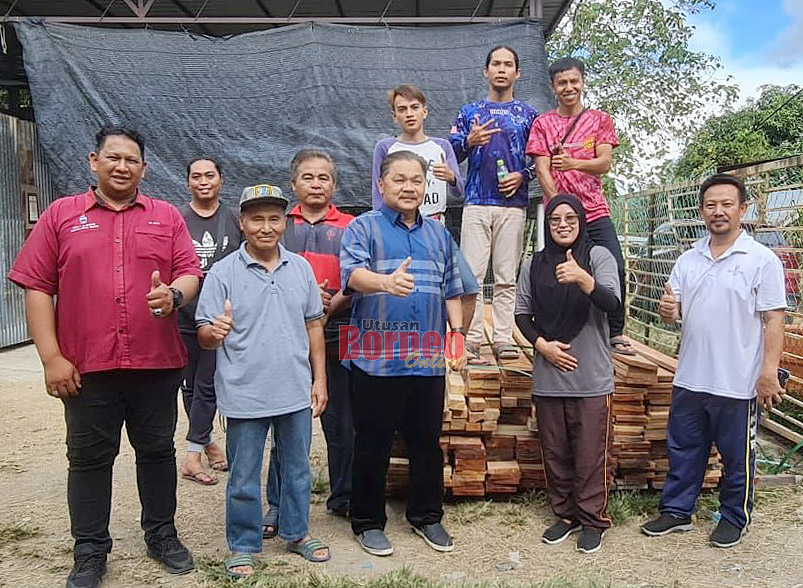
(119, 283)
(410, 254)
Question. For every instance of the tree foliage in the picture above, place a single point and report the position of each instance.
(641, 70)
(767, 127)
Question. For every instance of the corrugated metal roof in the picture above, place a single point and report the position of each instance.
(217, 15)
(552, 10)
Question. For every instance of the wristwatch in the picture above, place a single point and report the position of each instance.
(178, 298)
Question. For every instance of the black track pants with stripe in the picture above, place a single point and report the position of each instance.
(696, 420)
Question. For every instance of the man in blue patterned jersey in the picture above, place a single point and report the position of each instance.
(492, 134)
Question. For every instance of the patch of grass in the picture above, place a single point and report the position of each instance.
(768, 497)
(515, 515)
(626, 505)
(787, 462)
(471, 511)
(15, 533)
(320, 486)
(320, 482)
(707, 502)
(531, 498)
(279, 574)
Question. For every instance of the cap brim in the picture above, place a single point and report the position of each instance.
(280, 202)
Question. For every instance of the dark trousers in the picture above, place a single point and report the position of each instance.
(381, 406)
(696, 419)
(338, 429)
(198, 390)
(575, 439)
(146, 401)
(603, 233)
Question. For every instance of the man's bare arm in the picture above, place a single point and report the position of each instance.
(61, 377)
(543, 165)
(768, 389)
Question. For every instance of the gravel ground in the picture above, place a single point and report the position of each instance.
(498, 542)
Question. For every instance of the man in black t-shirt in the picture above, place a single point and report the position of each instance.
(215, 231)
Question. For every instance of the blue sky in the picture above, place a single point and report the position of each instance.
(759, 41)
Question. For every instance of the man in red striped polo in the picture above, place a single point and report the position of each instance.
(315, 228)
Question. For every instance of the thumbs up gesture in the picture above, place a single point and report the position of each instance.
(442, 172)
(668, 307)
(400, 282)
(326, 295)
(569, 272)
(223, 323)
(159, 298)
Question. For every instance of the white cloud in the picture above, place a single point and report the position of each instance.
(751, 77)
(788, 47)
(777, 61)
(709, 37)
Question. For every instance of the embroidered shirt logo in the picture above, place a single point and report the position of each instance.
(84, 225)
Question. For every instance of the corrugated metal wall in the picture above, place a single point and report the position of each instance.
(16, 138)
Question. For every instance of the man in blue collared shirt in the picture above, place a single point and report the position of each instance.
(404, 271)
(260, 308)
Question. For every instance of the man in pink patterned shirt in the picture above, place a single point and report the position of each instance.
(572, 147)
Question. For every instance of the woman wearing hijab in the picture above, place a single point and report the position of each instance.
(562, 299)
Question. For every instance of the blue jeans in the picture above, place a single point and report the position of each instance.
(338, 429)
(245, 445)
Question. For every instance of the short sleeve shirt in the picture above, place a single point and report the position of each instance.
(594, 128)
(434, 150)
(721, 301)
(591, 346)
(98, 262)
(319, 244)
(263, 367)
(214, 237)
(384, 329)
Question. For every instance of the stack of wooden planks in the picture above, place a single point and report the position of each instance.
(470, 466)
(630, 452)
(472, 401)
(490, 432)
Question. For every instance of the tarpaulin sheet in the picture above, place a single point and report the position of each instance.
(254, 99)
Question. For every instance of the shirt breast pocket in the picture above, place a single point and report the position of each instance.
(740, 286)
(154, 242)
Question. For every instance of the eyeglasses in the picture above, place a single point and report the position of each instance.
(555, 221)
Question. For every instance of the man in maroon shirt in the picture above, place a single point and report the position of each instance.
(121, 264)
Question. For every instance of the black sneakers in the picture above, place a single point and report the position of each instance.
(87, 572)
(590, 540)
(176, 558)
(375, 542)
(435, 536)
(559, 532)
(726, 534)
(665, 524)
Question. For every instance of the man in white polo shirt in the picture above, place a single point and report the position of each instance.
(729, 291)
